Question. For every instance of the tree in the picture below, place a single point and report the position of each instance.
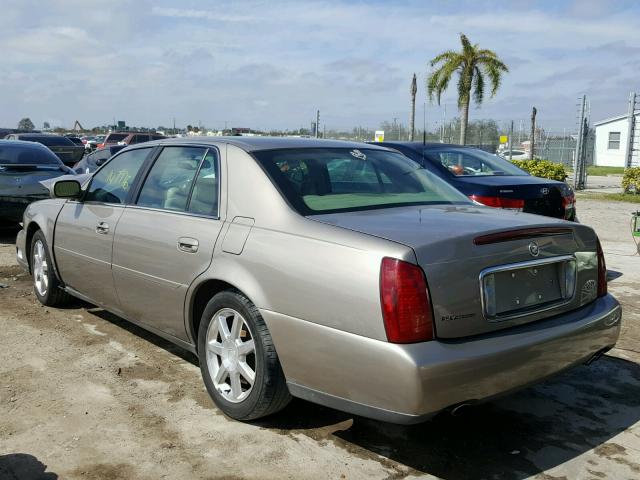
(26, 124)
(472, 65)
(412, 120)
(46, 126)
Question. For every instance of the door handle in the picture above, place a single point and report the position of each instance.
(102, 228)
(189, 245)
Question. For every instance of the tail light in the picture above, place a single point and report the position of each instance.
(499, 202)
(406, 308)
(568, 203)
(602, 271)
(101, 145)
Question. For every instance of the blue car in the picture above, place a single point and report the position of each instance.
(491, 180)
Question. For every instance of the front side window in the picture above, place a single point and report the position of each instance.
(324, 180)
(464, 162)
(114, 181)
(170, 180)
(614, 141)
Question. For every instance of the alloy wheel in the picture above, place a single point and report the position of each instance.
(40, 268)
(231, 355)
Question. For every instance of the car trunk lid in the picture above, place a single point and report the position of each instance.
(482, 273)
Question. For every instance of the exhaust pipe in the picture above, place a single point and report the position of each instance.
(459, 409)
(596, 356)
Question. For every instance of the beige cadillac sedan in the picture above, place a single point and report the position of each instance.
(336, 272)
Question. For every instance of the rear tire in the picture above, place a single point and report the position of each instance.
(45, 283)
(238, 360)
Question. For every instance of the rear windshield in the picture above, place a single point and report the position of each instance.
(116, 137)
(20, 155)
(326, 180)
(471, 161)
(50, 140)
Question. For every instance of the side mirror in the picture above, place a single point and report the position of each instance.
(67, 189)
(101, 161)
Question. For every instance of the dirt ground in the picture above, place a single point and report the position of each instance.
(85, 395)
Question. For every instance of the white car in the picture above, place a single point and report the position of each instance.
(515, 155)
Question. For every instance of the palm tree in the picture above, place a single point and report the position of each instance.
(472, 64)
(412, 120)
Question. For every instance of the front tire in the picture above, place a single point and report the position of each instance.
(238, 360)
(45, 283)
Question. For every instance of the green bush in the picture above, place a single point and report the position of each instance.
(631, 180)
(542, 168)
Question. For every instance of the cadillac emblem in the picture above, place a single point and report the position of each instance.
(534, 249)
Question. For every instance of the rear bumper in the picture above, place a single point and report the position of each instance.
(409, 383)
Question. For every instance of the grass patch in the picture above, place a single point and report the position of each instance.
(616, 197)
(602, 171)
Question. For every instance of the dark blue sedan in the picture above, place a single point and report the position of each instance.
(491, 180)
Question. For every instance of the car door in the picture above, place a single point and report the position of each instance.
(166, 238)
(84, 229)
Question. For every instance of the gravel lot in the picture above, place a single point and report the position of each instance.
(86, 395)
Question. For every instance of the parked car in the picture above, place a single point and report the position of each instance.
(491, 180)
(22, 167)
(64, 148)
(92, 161)
(332, 271)
(90, 143)
(515, 154)
(130, 138)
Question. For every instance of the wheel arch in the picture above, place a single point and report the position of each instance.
(32, 228)
(201, 295)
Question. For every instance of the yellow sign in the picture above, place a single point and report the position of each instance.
(504, 139)
(379, 136)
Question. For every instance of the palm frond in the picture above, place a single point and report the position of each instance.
(438, 80)
(444, 56)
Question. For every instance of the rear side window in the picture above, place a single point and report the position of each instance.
(140, 139)
(204, 197)
(114, 181)
(170, 180)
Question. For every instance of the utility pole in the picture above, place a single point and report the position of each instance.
(317, 123)
(579, 161)
(511, 142)
(533, 132)
(412, 120)
(395, 128)
(630, 130)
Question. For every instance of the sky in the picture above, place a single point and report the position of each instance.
(271, 64)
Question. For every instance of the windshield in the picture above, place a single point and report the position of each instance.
(472, 162)
(326, 180)
(19, 155)
(116, 137)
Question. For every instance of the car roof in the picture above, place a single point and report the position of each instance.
(254, 144)
(37, 135)
(419, 146)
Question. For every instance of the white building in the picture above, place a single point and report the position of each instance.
(612, 141)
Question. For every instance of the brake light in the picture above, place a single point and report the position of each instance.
(406, 308)
(568, 203)
(499, 202)
(602, 271)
